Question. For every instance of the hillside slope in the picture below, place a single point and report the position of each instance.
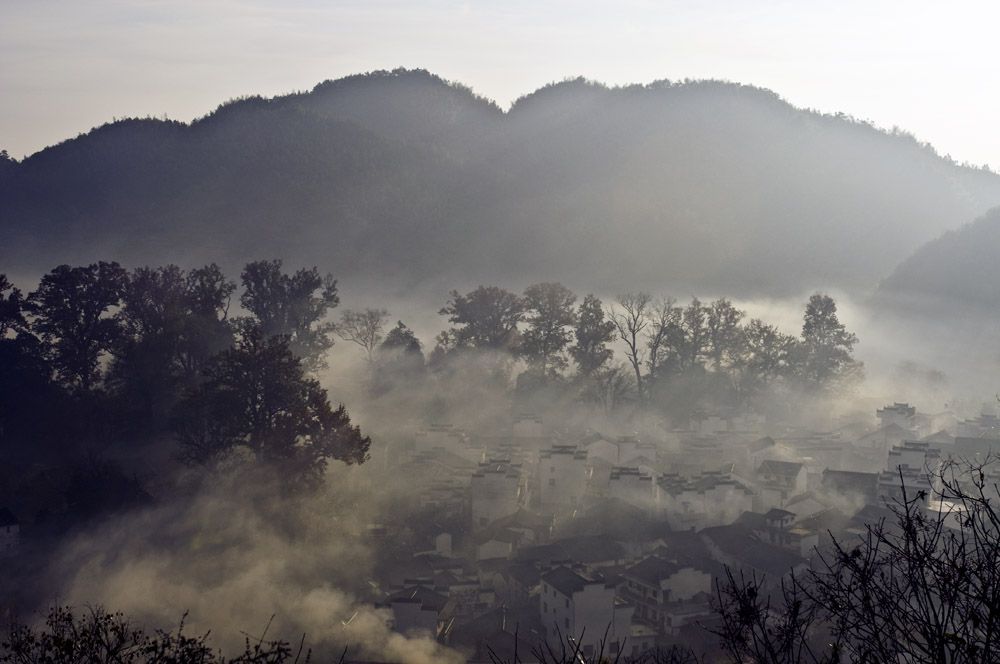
(960, 268)
(403, 177)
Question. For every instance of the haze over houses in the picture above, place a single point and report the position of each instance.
(561, 535)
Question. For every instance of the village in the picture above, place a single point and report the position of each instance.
(612, 544)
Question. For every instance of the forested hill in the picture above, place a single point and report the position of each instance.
(958, 271)
(405, 177)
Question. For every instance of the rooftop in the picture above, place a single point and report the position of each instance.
(567, 581)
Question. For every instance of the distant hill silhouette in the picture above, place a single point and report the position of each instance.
(960, 269)
(404, 177)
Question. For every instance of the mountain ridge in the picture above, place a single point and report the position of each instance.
(403, 175)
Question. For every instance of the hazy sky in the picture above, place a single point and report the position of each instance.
(930, 68)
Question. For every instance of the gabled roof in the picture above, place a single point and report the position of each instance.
(567, 581)
(941, 437)
(524, 573)
(888, 430)
(871, 515)
(779, 468)
(653, 570)
(592, 549)
(427, 597)
(523, 518)
(849, 480)
(807, 504)
(829, 520)
(738, 542)
(752, 520)
(587, 549)
(760, 445)
(499, 534)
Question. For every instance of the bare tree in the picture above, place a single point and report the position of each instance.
(924, 587)
(611, 387)
(631, 316)
(722, 321)
(363, 328)
(664, 317)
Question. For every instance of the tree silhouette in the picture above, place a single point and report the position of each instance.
(824, 358)
(256, 402)
(294, 305)
(550, 315)
(70, 314)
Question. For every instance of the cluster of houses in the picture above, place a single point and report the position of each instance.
(532, 541)
(546, 542)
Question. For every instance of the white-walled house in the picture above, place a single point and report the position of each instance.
(527, 425)
(632, 486)
(416, 609)
(915, 454)
(778, 481)
(583, 608)
(872, 449)
(778, 528)
(902, 414)
(495, 491)
(706, 499)
(667, 595)
(618, 452)
(562, 475)
(905, 483)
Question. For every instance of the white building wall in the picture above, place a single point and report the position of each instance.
(687, 583)
(493, 494)
(562, 476)
(585, 617)
(632, 488)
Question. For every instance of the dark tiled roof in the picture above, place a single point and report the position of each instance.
(427, 597)
(652, 570)
(588, 549)
(566, 581)
(780, 468)
(738, 542)
(525, 519)
(760, 445)
(752, 520)
(524, 573)
(592, 549)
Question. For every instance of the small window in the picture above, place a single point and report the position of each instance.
(567, 623)
(567, 604)
(552, 482)
(545, 607)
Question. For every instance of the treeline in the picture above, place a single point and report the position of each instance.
(99, 357)
(678, 358)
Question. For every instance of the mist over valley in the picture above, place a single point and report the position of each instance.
(383, 372)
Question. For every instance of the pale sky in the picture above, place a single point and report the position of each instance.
(930, 68)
